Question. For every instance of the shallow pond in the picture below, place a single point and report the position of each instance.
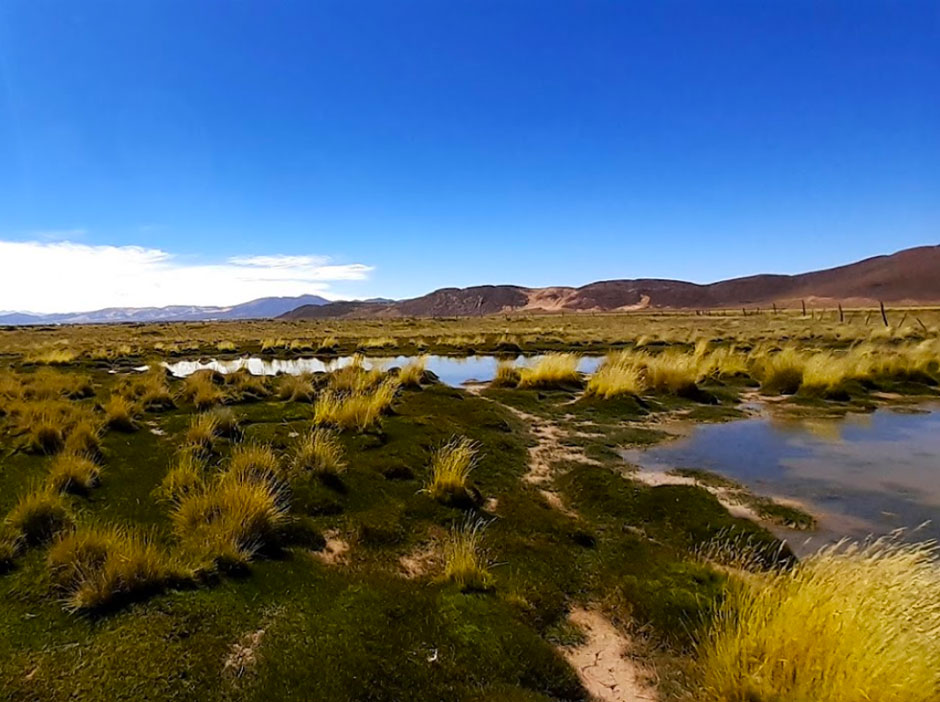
(865, 474)
(452, 370)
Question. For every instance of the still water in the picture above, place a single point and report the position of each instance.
(452, 370)
(862, 475)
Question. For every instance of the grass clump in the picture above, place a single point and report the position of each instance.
(451, 465)
(465, 562)
(852, 622)
(551, 371)
(507, 375)
(202, 432)
(185, 477)
(358, 410)
(320, 453)
(226, 523)
(202, 390)
(98, 567)
(254, 463)
(245, 387)
(38, 516)
(73, 473)
(781, 372)
(616, 377)
(410, 376)
(120, 413)
(296, 388)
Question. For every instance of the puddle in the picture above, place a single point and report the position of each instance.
(452, 370)
(862, 475)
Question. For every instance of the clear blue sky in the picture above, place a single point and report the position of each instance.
(456, 143)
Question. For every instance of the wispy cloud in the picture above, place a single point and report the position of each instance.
(63, 276)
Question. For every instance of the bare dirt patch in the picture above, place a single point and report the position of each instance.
(603, 661)
(423, 560)
(243, 654)
(336, 550)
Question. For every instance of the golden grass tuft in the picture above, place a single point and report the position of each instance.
(617, 376)
(84, 438)
(465, 562)
(201, 389)
(852, 622)
(319, 452)
(226, 523)
(451, 465)
(781, 372)
(38, 516)
(296, 388)
(202, 432)
(73, 473)
(245, 387)
(551, 371)
(358, 410)
(410, 376)
(507, 375)
(185, 477)
(254, 463)
(97, 567)
(120, 413)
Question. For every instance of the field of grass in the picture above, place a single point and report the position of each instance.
(377, 535)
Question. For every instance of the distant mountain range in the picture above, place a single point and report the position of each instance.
(262, 308)
(909, 277)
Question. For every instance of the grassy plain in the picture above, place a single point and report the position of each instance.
(377, 535)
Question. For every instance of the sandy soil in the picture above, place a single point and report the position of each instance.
(603, 662)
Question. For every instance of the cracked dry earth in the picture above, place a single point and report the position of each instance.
(603, 662)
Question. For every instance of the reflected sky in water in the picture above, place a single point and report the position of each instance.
(452, 370)
(863, 474)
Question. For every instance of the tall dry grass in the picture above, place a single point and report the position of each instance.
(851, 623)
(451, 466)
(551, 371)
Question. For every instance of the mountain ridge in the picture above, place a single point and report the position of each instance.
(907, 277)
(260, 308)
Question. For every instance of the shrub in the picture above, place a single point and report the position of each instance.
(550, 371)
(73, 473)
(853, 622)
(319, 452)
(100, 566)
(464, 560)
(451, 465)
(38, 516)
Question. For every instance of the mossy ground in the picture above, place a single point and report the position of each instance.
(358, 629)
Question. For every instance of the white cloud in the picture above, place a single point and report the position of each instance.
(62, 276)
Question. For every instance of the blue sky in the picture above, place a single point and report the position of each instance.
(413, 145)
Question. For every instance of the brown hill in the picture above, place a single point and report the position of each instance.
(909, 277)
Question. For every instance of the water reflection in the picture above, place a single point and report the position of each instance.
(452, 370)
(866, 474)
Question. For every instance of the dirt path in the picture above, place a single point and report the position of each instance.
(547, 451)
(603, 664)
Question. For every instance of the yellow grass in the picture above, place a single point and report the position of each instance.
(202, 432)
(296, 388)
(849, 624)
(617, 376)
(38, 515)
(120, 413)
(451, 465)
(551, 370)
(227, 522)
(358, 410)
(254, 463)
(410, 375)
(185, 477)
(464, 560)
(74, 473)
(95, 567)
(200, 388)
(507, 375)
(319, 452)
